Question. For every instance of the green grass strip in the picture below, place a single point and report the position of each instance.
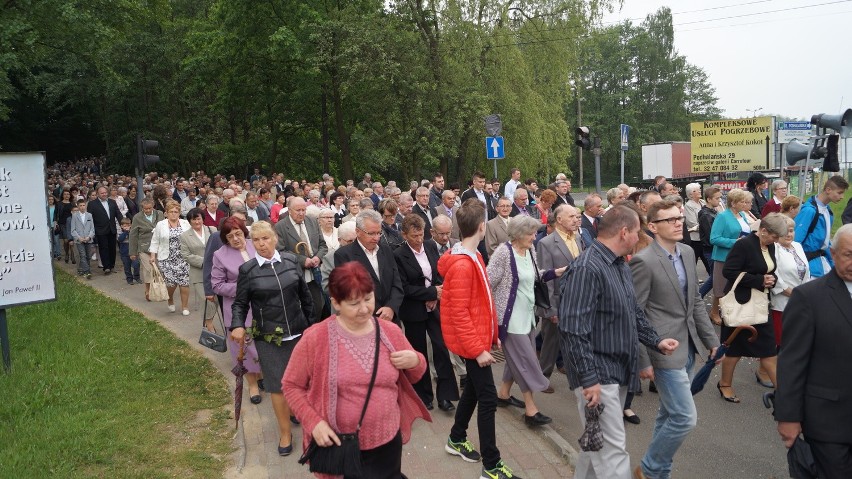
(98, 390)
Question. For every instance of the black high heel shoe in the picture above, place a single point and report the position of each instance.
(732, 399)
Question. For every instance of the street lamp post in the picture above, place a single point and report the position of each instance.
(754, 112)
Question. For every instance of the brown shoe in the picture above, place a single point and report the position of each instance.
(638, 474)
(549, 390)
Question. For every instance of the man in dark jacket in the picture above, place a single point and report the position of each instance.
(812, 398)
(105, 214)
(379, 262)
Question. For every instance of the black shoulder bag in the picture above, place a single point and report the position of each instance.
(542, 294)
(212, 339)
(345, 458)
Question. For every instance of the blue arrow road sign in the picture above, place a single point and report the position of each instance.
(494, 148)
(625, 132)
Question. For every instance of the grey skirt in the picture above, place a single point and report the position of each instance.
(273, 362)
(522, 365)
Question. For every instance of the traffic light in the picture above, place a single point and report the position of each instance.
(146, 155)
(583, 140)
(832, 159)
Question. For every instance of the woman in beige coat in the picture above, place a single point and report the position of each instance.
(193, 242)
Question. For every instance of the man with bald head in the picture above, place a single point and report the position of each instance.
(592, 211)
(224, 206)
(556, 250)
(304, 231)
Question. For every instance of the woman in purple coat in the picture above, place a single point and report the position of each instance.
(235, 250)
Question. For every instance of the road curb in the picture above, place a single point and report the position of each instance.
(560, 445)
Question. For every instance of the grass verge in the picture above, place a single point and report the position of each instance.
(98, 390)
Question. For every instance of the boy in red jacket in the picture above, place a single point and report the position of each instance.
(469, 326)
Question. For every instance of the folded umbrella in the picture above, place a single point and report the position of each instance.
(703, 374)
(800, 460)
(239, 371)
(592, 438)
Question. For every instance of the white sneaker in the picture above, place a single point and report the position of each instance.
(171, 308)
(186, 312)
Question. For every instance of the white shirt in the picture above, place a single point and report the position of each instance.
(276, 258)
(373, 258)
(105, 204)
(849, 287)
(423, 261)
(509, 189)
(252, 213)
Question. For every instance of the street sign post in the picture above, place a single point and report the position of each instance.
(494, 150)
(794, 130)
(494, 147)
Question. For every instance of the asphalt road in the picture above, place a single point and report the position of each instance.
(731, 441)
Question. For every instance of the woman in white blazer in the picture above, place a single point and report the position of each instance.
(165, 253)
(792, 270)
(193, 243)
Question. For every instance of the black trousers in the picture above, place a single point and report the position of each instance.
(447, 388)
(383, 462)
(319, 301)
(833, 460)
(479, 391)
(106, 250)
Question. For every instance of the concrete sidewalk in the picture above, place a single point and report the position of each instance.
(531, 453)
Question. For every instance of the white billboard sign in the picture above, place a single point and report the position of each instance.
(26, 268)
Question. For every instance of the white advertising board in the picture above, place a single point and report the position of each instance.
(26, 268)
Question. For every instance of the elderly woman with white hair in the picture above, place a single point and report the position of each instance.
(614, 196)
(512, 272)
(693, 205)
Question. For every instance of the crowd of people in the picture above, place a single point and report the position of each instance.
(360, 305)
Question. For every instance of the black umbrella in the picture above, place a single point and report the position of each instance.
(703, 374)
(239, 371)
(800, 460)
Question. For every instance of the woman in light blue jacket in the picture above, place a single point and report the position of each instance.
(729, 226)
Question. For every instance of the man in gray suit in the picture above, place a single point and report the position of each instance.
(448, 208)
(666, 286)
(496, 230)
(297, 228)
(556, 250)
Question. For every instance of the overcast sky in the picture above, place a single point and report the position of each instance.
(788, 57)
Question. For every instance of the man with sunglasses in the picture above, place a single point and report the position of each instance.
(666, 286)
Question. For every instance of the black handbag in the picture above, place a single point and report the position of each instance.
(345, 458)
(212, 339)
(542, 294)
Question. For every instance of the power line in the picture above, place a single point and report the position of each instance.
(775, 20)
(674, 25)
(764, 12)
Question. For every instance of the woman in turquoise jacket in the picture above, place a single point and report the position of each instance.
(729, 226)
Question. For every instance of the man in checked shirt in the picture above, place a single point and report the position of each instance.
(600, 323)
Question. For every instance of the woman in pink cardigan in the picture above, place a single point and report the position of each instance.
(326, 382)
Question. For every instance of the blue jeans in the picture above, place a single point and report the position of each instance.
(131, 267)
(707, 285)
(676, 417)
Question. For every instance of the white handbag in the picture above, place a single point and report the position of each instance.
(755, 311)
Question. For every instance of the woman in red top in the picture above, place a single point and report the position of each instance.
(544, 203)
(329, 373)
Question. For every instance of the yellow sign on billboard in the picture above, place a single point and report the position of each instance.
(733, 145)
